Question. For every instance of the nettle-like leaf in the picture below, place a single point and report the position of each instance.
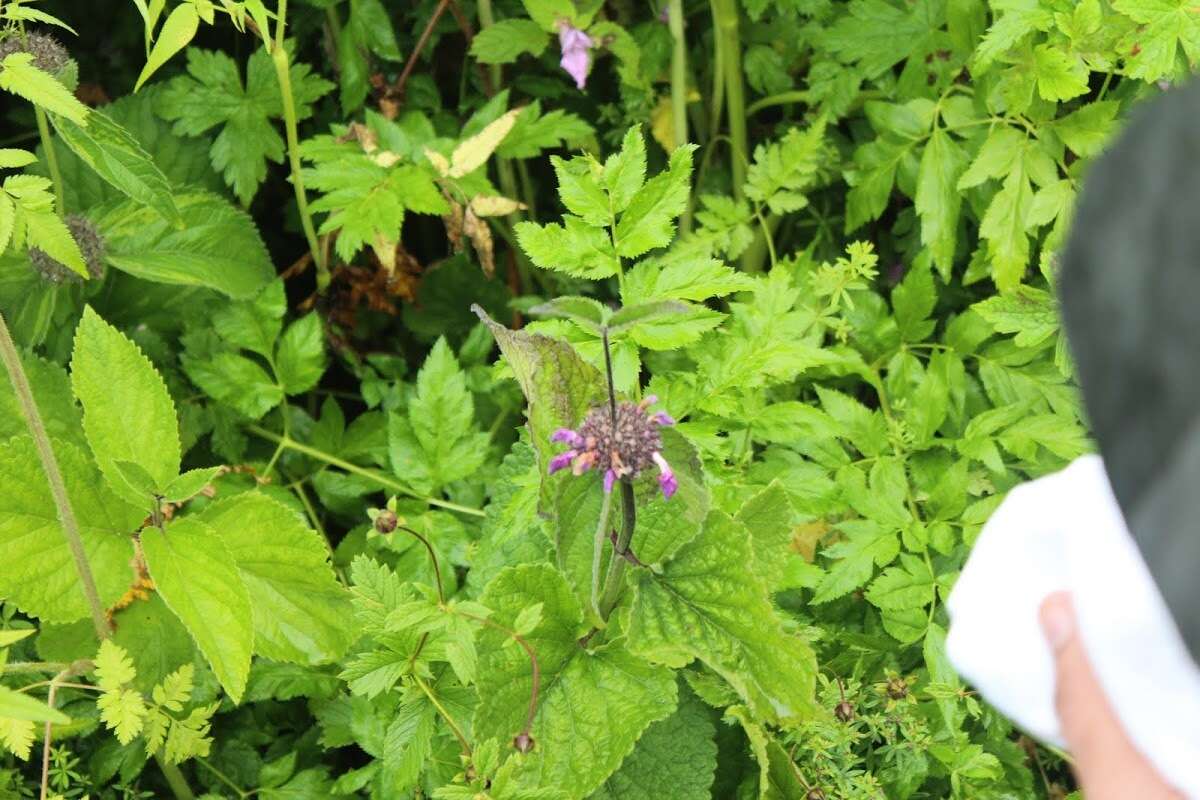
(19, 76)
(594, 704)
(504, 41)
(41, 578)
(300, 610)
(212, 95)
(115, 383)
(198, 578)
(783, 170)
(28, 220)
(435, 442)
(707, 603)
(220, 247)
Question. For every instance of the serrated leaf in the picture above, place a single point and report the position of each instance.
(189, 484)
(937, 199)
(179, 29)
(41, 578)
(594, 705)
(649, 220)
(868, 544)
(47, 232)
(12, 158)
(1087, 129)
(876, 34)
(219, 248)
(1029, 313)
(19, 76)
(300, 358)
(574, 247)
(436, 441)
(235, 381)
(1166, 28)
(676, 758)
(117, 157)
(114, 383)
(123, 711)
(300, 610)
(212, 96)
(625, 170)
(783, 170)
(631, 317)
(708, 604)
(503, 41)
(197, 577)
(17, 736)
(769, 517)
(114, 668)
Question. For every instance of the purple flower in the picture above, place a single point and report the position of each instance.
(575, 56)
(622, 448)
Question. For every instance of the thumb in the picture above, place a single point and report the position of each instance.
(1106, 762)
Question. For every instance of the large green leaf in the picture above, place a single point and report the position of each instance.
(115, 155)
(594, 704)
(301, 612)
(707, 603)
(198, 579)
(51, 389)
(128, 414)
(219, 247)
(676, 758)
(39, 575)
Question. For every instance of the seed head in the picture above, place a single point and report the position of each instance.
(386, 521)
(814, 794)
(897, 688)
(523, 742)
(48, 54)
(844, 711)
(91, 246)
(621, 447)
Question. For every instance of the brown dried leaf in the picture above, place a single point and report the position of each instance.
(481, 238)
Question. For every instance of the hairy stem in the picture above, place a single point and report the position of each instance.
(58, 489)
(618, 563)
(679, 86)
(382, 480)
(279, 58)
(598, 550)
(51, 160)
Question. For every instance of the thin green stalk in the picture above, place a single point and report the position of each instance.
(454, 728)
(58, 489)
(679, 86)
(618, 563)
(283, 74)
(32, 666)
(354, 469)
(598, 550)
(781, 99)
(51, 159)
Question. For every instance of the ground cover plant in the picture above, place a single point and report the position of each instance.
(547, 399)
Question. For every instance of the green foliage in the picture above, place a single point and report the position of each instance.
(316, 503)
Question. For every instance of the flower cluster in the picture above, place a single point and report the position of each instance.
(91, 247)
(622, 445)
(48, 54)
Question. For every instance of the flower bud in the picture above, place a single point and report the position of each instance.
(844, 711)
(386, 521)
(897, 689)
(523, 742)
(48, 54)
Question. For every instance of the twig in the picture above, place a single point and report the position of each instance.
(421, 42)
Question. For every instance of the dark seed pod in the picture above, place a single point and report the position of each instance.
(386, 521)
(844, 711)
(48, 54)
(523, 742)
(897, 689)
(91, 246)
(814, 794)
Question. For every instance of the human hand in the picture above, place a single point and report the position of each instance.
(1107, 764)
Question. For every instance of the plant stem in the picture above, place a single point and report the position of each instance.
(178, 783)
(420, 45)
(679, 87)
(279, 58)
(725, 23)
(354, 469)
(51, 159)
(617, 564)
(598, 549)
(437, 570)
(32, 666)
(457, 731)
(535, 668)
(58, 489)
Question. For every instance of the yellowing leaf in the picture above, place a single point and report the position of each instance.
(490, 206)
(471, 154)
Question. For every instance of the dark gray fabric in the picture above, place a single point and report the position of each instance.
(1130, 294)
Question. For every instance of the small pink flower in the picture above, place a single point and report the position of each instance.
(561, 460)
(666, 476)
(621, 449)
(576, 58)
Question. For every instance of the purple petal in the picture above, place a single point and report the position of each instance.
(575, 58)
(566, 436)
(561, 460)
(666, 477)
(610, 478)
(663, 418)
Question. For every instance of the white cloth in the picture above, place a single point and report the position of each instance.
(1066, 532)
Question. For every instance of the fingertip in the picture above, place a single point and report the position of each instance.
(1057, 617)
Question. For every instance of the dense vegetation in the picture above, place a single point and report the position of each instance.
(335, 312)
